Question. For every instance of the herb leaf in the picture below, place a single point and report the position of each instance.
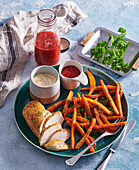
(40, 112)
(111, 52)
(34, 120)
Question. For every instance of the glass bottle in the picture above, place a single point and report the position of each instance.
(47, 42)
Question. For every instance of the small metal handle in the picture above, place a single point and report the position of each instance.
(126, 131)
(74, 159)
(104, 163)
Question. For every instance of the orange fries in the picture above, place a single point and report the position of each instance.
(79, 144)
(65, 109)
(91, 114)
(72, 129)
(92, 82)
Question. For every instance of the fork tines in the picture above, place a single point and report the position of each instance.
(119, 127)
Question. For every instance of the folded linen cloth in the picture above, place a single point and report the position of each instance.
(17, 42)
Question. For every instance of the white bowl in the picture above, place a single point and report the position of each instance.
(48, 94)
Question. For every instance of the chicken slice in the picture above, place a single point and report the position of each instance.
(47, 133)
(62, 134)
(34, 114)
(46, 114)
(56, 145)
(56, 117)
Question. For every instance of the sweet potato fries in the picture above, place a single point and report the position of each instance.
(92, 112)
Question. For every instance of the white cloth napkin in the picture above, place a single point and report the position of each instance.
(17, 42)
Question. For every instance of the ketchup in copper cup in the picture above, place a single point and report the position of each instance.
(47, 43)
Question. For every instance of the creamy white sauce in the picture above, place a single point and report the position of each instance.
(44, 80)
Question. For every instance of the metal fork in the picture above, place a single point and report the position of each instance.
(75, 158)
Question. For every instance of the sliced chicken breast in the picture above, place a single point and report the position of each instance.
(61, 134)
(34, 113)
(47, 133)
(46, 114)
(56, 117)
(56, 145)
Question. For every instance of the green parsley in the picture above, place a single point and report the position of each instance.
(111, 51)
(79, 110)
(111, 109)
(34, 120)
(82, 110)
(95, 134)
(85, 117)
(103, 100)
(90, 131)
(88, 116)
(40, 112)
(99, 109)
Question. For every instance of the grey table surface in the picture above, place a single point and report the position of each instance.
(16, 153)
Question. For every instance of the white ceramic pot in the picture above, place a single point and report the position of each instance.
(48, 94)
(72, 83)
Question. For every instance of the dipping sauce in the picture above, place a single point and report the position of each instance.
(70, 71)
(44, 80)
(47, 48)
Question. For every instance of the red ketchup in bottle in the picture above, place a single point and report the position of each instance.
(70, 71)
(47, 48)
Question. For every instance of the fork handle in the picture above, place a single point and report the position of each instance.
(73, 160)
(104, 163)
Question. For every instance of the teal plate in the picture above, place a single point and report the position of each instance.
(23, 98)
